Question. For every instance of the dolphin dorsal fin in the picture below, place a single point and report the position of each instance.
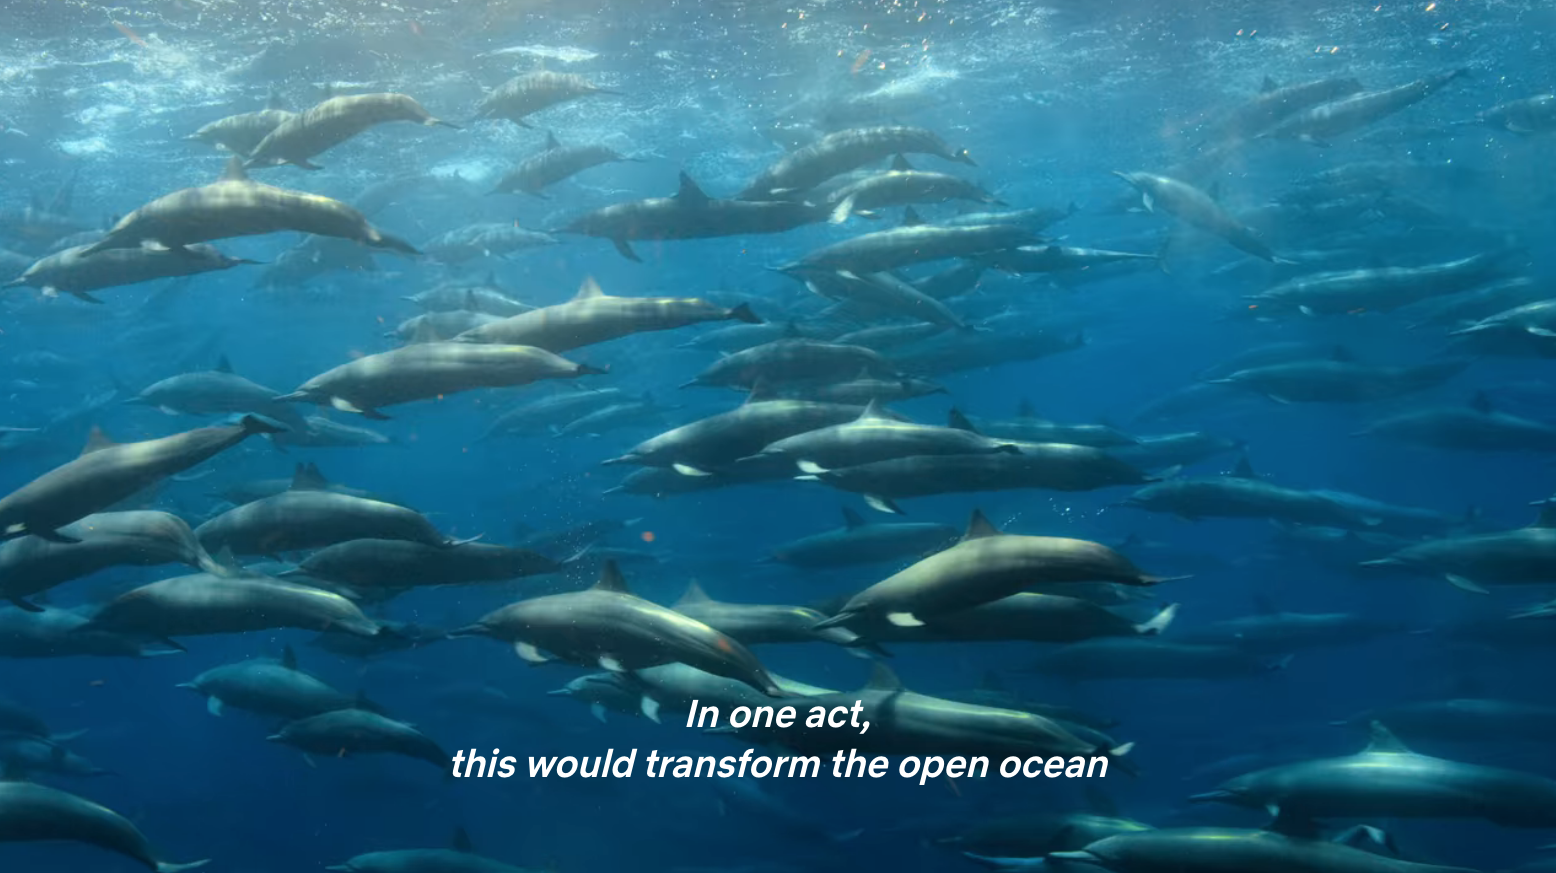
(308, 478)
(274, 101)
(883, 679)
(461, 841)
(791, 330)
(911, 218)
(288, 657)
(1482, 403)
(611, 580)
(97, 440)
(425, 333)
(872, 410)
(1381, 740)
(694, 594)
(551, 142)
(762, 390)
(1025, 409)
(956, 419)
(589, 290)
(223, 365)
(690, 193)
(1244, 469)
(899, 164)
(1546, 518)
(852, 519)
(979, 527)
(1268, 85)
(234, 171)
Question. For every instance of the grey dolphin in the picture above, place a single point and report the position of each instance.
(329, 123)
(1388, 780)
(609, 626)
(108, 472)
(235, 205)
(31, 812)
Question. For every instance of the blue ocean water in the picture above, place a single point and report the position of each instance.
(1048, 100)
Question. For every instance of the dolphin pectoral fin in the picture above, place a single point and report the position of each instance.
(53, 536)
(1217, 796)
(626, 250)
(529, 654)
(306, 164)
(1156, 625)
(169, 867)
(810, 468)
(903, 619)
(1366, 836)
(1278, 399)
(610, 664)
(82, 295)
(24, 604)
(345, 405)
(842, 211)
(650, 708)
(1464, 584)
(308, 759)
(1148, 202)
(883, 504)
(214, 705)
(598, 711)
(1289, 825)
(689, 470)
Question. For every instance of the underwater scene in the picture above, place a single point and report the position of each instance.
(718, 436)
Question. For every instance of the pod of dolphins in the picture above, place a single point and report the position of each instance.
(907, 303)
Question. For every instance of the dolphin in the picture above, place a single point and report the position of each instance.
(108, 472)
